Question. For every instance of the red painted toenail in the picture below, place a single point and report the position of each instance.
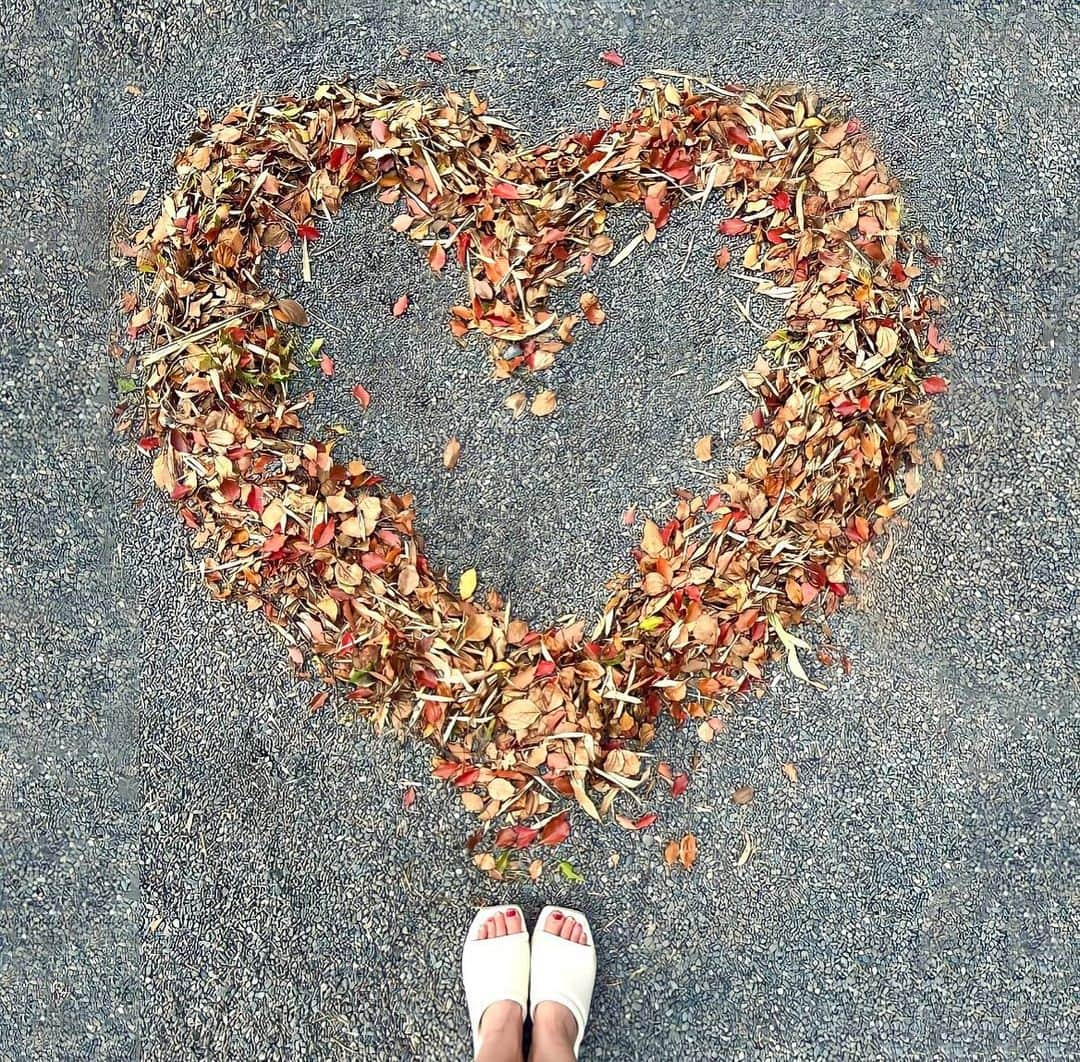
(511, 914)
(557, 915)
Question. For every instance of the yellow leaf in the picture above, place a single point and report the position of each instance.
(467, 583)
(703, 448)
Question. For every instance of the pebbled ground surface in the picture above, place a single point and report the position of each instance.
(191, 866)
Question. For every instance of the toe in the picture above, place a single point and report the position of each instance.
(567, 928)
(498, 923)
(513, 921)
(578, 936)
(553, 923)
(482, 932)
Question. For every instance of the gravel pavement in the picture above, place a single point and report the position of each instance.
(192, 866)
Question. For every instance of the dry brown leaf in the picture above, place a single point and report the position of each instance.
(703, 448)
(831, 173)
(543, 404)
(688, 850)
(519, 715)
(451, 453)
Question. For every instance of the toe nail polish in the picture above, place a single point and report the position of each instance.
(511, 914)
(557, 915)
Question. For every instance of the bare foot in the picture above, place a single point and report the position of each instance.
(554, 1027)
(500, 1027)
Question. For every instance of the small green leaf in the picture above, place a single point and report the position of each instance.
(567, 870)
(503, 861)
(125, 385)
(650, 623)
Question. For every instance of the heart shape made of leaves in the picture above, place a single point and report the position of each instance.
(526, 721)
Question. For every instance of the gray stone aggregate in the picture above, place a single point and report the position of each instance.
(192, 866)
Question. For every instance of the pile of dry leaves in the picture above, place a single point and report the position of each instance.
(525, 719)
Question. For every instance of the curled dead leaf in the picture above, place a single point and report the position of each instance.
(289, 311)
(543, 404)
(688, 850)
(451, 453)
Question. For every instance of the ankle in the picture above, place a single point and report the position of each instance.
(552, 1022)
(502, 1019)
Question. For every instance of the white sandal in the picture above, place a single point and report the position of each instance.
(494, 969)
(562, 971)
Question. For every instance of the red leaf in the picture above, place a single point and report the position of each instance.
(326, 363)
(545, 668)
(679, 784)
(435, 57)
(935, 385)
(150, 443)
(556, 831)
(436, 257)
(516, 836)
(613, 57)
(408, 797)
(734, 227)
(645, 821)
(373, 562)
(401, 305)
(781, 200)
(505, 190)
(380, 130)
(360, 393)
(308, 232)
